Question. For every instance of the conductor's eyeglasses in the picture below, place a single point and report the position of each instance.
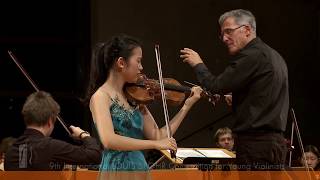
(229, 31)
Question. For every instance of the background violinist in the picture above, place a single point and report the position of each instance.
(36, 150)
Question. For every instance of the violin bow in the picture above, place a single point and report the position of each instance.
(296, 127)
(163, 96)
(12, 56)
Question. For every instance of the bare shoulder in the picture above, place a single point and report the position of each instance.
(99, 98)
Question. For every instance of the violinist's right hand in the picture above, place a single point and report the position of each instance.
(166, 143)
(78, 133)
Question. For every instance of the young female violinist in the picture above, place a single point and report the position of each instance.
(125, 130)
(312, 156)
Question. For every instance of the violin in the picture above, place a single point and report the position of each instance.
(146, 90)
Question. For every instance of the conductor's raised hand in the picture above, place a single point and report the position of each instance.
(190, 56)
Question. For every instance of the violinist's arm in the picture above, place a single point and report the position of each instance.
(151, 129)
(99, 106)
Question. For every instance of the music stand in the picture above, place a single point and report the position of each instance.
(203, 158)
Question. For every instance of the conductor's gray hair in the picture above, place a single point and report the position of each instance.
(241, 17)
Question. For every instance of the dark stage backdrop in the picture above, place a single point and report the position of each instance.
(53, 40)
(290, 27)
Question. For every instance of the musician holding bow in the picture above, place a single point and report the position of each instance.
(124, 129)
(35, 150)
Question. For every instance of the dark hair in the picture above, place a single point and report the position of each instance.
(38, 108)
(104, 56)
(313, 149)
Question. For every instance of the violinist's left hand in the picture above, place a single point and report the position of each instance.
(214, 99)
(228, 98)
(194, 96)
(190, 56)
